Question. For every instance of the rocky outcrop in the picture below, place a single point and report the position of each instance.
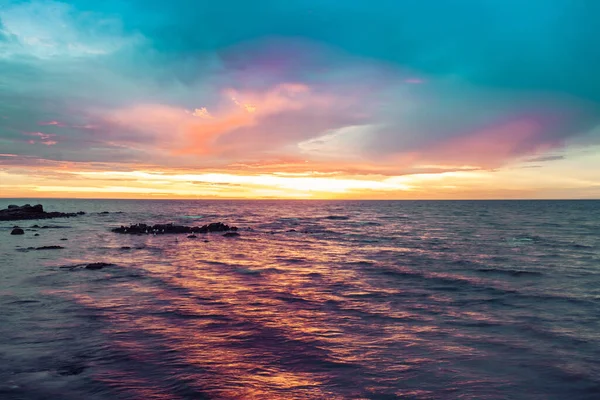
(17, 231)
(14, 213)
(54, 247)
(161, 229)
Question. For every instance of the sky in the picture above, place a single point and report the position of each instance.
(354, 99)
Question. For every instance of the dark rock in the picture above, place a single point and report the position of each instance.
(125, 248)
(35, 226)
(338, 217)
(14, 213)
(17, 231)
(104, 212)
(37, 234)
(231, 234)
(80, 212)
(49, 248)
(206, 241)
(161, 229)
(98, 265)
(291, 230)
(192, 236)
(64, 239)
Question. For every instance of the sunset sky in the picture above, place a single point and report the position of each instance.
(385, 99)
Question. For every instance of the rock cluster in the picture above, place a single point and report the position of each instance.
(14, 213)
(161, 229)
(53, 247)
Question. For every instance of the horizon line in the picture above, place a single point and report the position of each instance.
(297, 199)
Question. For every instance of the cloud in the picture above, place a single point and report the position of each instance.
(201, 113)
(51, 29)
(546, 158)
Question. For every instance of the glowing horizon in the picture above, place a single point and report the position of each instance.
(155, 100)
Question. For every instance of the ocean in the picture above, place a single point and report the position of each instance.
(314, 300)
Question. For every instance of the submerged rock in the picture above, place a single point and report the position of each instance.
(49, 247)
(37, 234)
(337, 217)
(27, 211)
(231, 234)
(161, 229)
(17, 231)
(98, 265)
(192, 236)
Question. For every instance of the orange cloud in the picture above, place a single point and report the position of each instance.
(193, 132)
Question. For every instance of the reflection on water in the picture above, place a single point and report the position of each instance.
(315, 300)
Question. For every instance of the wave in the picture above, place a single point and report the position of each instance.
(511, 272)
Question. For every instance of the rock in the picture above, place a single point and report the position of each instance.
(231, 234)
(125, 248)
(98, 265)
(49, 248)
(104, 212)
(27, 211)
(338, 217)
(291, 230)
(36, 226)
(37, 234)
(17, 231)
(192, 236)
(64, 239)
(161, 229)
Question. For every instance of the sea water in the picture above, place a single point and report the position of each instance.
(314, 300)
